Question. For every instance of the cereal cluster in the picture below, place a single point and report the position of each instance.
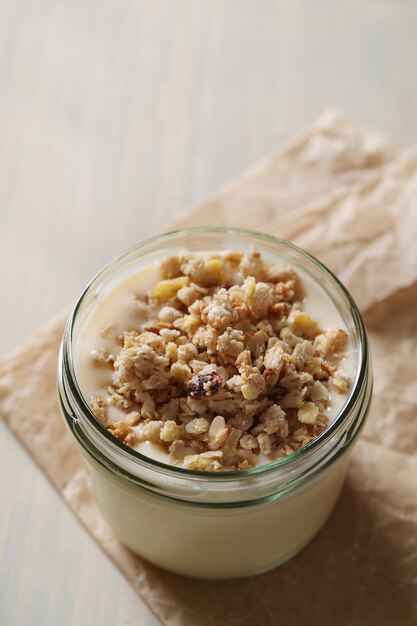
(226, 366)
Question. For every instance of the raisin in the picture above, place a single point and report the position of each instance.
(203, 385)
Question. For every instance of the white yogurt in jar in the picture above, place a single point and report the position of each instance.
(117, 307)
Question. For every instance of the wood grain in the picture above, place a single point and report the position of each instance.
(114, 116)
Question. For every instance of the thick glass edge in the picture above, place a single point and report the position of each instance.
(68, 366)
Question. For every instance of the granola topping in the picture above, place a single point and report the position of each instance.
(223, 367)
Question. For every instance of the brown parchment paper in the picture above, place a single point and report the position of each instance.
(350, 197)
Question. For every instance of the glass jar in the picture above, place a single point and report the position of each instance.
(216, 524)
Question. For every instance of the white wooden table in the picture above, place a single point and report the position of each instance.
(114, 116)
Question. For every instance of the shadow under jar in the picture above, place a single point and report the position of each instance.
(216, 524)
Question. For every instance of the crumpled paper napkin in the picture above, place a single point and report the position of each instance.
(349, 196)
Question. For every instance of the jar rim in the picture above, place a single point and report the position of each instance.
(67, 365)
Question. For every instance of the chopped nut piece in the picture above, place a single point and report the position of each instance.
(274, 420)
(217, 433)
(289, 337)
(150, 431)
(145, 399)
(186, 352)
(302, 324)
(264, 442)
(99, 407)
(230, 452)
(204, 461)
(180, 372)
(331, 341)
(189, 295)
(123, 431)
(205, 272)
(169, 334)
(302, 354)
(307, 413)
(205, 337)
(277, 274)
(133, 417)
(169, 431)
(169, 314)
(169, 411)
(292, 400)
(197, 426)
(230, 344)
(252, 265)
(220, 313)
(259, 299)
(171, 267)
(249, 442)
(318, 392)
(254, 386)
(274, 356)
(340, 381)
(253, 382)
(177, 450)
(166, 289)
(171, 351)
